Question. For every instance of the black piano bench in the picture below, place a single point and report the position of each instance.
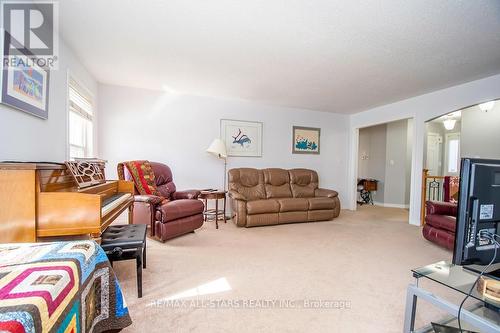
(124, 242)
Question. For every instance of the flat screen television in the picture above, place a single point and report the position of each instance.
(478, 210)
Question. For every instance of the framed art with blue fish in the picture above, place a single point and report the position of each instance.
(25, 86)
(306, 140)
(242, 138)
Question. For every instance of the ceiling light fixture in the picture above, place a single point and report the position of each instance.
(487, 106)
(449, 124)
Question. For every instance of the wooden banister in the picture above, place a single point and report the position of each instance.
(433, 188)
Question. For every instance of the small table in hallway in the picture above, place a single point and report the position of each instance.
(214, 214)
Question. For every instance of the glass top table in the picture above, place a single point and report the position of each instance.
(483, 315)
(453, 276)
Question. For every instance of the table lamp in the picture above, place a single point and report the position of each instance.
(218, 149)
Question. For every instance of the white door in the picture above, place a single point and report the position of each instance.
(452, 157)
(434, 142)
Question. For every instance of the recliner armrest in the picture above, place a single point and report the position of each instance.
(188, 194)
(323, 192)
(237, 196)
(441, 208)
(150, 199)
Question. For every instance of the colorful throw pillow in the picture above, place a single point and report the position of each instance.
(143, 176)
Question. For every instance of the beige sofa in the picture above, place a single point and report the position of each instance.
(276, 196)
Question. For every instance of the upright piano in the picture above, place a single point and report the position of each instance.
(39, 201)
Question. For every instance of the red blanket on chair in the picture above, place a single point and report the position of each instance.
(143, 177)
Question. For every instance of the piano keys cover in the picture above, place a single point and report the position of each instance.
(59, 287)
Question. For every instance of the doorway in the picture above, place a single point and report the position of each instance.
(385, 157)
(434, 153)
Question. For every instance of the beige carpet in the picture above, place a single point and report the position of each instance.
(363, 258)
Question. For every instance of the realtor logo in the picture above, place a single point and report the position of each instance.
(30, 30)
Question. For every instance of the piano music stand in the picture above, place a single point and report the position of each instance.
(86, 173)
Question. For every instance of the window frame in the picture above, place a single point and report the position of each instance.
(83, 88)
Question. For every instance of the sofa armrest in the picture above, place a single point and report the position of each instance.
(236, 196)
(188, 194)
(149, 199)
(323, 192)
(441, 208)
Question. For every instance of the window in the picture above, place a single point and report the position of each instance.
(453, 153)
(81, 115)
(453, 156)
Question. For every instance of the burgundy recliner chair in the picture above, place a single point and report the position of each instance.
(174, 214)
(440, 223)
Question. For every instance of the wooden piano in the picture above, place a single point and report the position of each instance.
(41, 200)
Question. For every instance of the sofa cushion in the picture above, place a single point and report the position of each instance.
(293, 217)
(173, 210)
(320, 203)
(445, 222)
(263, 206)
(277, 183)
(320, 215)
(262, 219)
(248, 182)
(293, 204)
(303, 182)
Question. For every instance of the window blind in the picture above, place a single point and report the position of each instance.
(80, 101)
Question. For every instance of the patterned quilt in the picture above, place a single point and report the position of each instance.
(59, 287)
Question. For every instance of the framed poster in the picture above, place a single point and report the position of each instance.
(242, 138)
(305, 140)
(25, 86)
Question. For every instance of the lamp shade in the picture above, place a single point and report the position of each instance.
(449, 124)
(218, 148)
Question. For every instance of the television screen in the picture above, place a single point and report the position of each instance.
(478, 211)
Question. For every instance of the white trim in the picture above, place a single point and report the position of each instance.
(67, 114)
(390, 205)
(352, 181)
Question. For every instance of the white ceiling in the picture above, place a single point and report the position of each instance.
(328, 55)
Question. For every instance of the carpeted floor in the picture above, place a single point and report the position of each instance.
(264, 279)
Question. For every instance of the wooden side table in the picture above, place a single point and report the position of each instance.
(365, 188)
(214, 214)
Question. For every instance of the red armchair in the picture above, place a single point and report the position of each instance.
(440, 223)
(174, 213)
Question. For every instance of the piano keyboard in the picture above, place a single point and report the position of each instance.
(113, 201)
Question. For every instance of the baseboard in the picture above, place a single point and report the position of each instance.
(390, 205)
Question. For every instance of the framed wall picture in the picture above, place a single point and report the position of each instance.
(25, 86)
(242, 138)
(305, 140)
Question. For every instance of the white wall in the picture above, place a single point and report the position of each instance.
(177, 129)
(24, 137)
(480, 135)
(396, 164)
(421, 109)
